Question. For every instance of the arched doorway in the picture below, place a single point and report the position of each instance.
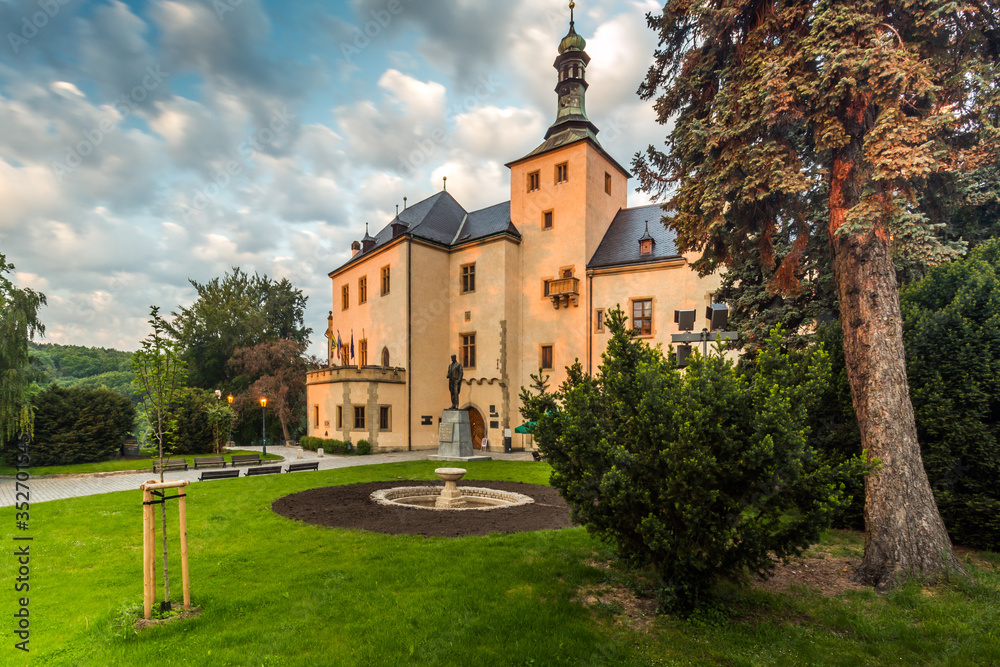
(478, 427)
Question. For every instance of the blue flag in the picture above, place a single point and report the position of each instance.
(352, 345)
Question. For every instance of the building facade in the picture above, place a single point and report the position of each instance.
(510, 289)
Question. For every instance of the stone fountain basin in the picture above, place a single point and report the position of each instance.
(425, 497)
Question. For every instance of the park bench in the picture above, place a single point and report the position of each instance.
(246, 460)
(205, 461)
(218, 474)
(299, 467)
(263, 470)
(171, 464)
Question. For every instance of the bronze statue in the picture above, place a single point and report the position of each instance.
(455, 374)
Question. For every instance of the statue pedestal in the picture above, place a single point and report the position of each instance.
(455, 438)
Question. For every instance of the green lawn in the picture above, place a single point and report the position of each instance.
(278, 592)
(118, 464)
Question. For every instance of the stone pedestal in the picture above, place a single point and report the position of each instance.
(455, 438)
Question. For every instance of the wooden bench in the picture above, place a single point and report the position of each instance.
(205, 461)
(263, 470)
(246, 460)
(170, 464)
(219, 474)
(299, 467)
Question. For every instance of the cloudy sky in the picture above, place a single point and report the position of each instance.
(145, 143)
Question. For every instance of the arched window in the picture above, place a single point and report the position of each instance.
(385, 357)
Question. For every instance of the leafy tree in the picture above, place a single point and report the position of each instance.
(703, 474)
(952, 330)
(77, 425)
(220, 419)
(160, 374)
(537, 401)
(18, 324)
(279, 367)
(860, 103)
(236, 311)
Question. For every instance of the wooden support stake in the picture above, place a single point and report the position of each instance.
(182, 514)
(149, 543)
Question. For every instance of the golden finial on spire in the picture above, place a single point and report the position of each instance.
(571, 6)
(445, 181)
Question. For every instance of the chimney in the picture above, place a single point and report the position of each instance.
(355, 248)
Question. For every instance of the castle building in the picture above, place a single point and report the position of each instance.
(510, 289)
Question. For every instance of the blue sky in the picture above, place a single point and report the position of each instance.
(146, 143)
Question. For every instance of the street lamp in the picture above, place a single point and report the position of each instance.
(263, 423)
(229, 433)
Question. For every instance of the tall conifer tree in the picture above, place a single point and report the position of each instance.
(794, 118)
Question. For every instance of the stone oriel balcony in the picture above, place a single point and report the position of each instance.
(564, 291)
(390, 374)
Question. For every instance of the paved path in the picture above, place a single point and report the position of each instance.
(57, 488)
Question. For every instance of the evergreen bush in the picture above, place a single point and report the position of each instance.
(951, 325)
(364, 448)
(702, 474)
(191, 428)
(77, 425)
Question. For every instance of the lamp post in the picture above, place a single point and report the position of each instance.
(263, 423)
(229, 433)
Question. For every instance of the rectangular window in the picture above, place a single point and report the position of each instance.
(642, 317)
(469, 350)
(562, 172)
(363, 352)
(345, 297)
(468, 278)
(340, 416)
(384, 423)
(359, 417)
(533, 181)
(599, 320)
(385, 280)
(362, 289)
(545, 287)
(546, 357)
(547, 220)
(316, 416)
(607, 182)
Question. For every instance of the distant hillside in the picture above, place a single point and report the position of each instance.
(78, 366)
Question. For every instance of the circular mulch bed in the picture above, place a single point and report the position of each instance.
(349, 506)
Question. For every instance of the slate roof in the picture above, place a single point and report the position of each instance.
(440, 218)
(620, 245)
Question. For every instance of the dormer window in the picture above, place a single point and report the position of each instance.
(646, 242)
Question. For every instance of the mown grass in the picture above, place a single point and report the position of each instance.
(279, 592)
(115, 465)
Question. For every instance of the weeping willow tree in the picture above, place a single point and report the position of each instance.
(18, 324)
(841, 119)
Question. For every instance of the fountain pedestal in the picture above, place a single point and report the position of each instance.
(455, 438)
(450, 497)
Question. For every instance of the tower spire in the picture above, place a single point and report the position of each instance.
(571, 84)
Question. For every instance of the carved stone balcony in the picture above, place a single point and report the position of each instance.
(564, 291)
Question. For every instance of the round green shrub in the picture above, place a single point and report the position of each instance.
(364, 448)
(703, 474)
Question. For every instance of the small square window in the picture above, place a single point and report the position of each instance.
(562, 172)
(533, 181)
(359, 417)
(547, 220)
(546, 357)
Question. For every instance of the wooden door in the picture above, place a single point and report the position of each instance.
(478, 427)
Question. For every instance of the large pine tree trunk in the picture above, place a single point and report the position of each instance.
(905, 534)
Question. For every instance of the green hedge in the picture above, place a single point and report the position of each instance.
(76, 425)
(329, 445)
